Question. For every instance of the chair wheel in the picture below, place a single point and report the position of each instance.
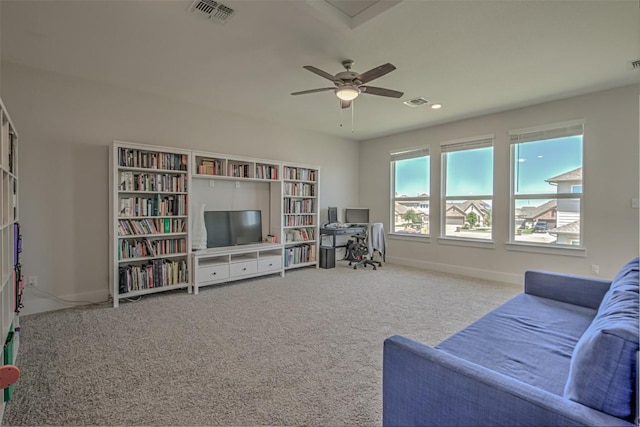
(374, 267)
(355, 267)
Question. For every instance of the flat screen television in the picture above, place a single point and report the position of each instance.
(230, 228)
(356, 215)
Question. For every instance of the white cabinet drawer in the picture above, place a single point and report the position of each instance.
(272, 263)
(243, 268)
(213, 273)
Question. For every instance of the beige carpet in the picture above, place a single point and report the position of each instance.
(301, 350)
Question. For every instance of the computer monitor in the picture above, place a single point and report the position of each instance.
(356, 215)
(333, 215)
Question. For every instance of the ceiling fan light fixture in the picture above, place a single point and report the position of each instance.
(347, 92)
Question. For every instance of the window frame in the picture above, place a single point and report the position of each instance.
(407, 154)
(456, 145)
(536, 134)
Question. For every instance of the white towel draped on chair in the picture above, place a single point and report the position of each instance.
(375, 239)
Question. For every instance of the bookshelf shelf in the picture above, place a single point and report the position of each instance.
(164, 256)
(137, 236)
(149, 219)
(134, 294)
(221, 166)
(11, 279)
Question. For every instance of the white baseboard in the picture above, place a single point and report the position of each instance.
(515, 279)
(35, 301)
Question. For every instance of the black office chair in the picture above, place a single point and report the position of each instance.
(358, 252)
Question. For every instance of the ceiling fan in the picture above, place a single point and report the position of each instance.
(349, 84)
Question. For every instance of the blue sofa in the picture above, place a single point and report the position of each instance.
(563, 353)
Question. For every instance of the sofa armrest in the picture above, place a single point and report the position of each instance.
(577, 290)
(428, 387)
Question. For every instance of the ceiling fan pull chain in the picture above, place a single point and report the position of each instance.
(353, 107)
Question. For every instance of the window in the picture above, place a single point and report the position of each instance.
(546, 184)
(410, 186)
(467, 182)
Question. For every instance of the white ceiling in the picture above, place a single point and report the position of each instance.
(474, 57)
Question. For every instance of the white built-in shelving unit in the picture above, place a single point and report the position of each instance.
(286, 194)
(149, 220)
(10, 276)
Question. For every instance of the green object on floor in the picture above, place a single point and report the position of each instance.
(8, 360)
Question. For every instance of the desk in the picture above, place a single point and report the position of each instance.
(338, 231)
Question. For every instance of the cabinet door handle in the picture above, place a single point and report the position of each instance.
(214, 273)
(244, 269)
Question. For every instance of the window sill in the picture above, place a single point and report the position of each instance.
(547, 249)
(486, 244)
(409, 237)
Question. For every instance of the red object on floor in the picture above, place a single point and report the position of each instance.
(9, 374)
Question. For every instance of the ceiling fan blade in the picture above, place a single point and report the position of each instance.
(324, 89)
(319, 72)
(372, 90)
(345, 104)
(375, 73)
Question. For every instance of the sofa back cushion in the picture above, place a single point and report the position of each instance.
(603, 365)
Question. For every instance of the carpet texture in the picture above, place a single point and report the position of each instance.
(301, 350)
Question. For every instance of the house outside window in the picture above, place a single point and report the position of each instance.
(546, 185)
(410, 183)
(467, 188)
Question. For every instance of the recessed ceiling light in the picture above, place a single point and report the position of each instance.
(436, 106)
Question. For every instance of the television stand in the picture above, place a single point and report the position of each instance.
(225, 264)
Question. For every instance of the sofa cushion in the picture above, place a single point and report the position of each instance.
(603, 365)
(527, 338)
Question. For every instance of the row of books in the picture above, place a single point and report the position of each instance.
(299, 189)
(238, 170)
(266, 172)
(155, 274)
(131, 227)
(157, 205)
(211, 167)
(295, 220)
(12, 154)
(135, 181)
(299, 254)
(133, 158)
(300, 235)
(299, 206)
(149, 248)
(300, 174)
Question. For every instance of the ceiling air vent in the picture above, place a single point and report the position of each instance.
(634, 65)
(416, 102)
(211, 9)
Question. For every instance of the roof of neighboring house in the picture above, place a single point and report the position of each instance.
(530, 212)
(459, 209)
(573, 175)
(571, 228)
(401, 209)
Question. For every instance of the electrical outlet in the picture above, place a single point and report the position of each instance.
(212, 183)
(33, 281)
(595, 268)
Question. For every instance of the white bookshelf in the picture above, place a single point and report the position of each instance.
(9, 274)
(149, 220)
(300, 215)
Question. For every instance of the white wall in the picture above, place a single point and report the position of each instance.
(611, 159)
(66, 126)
